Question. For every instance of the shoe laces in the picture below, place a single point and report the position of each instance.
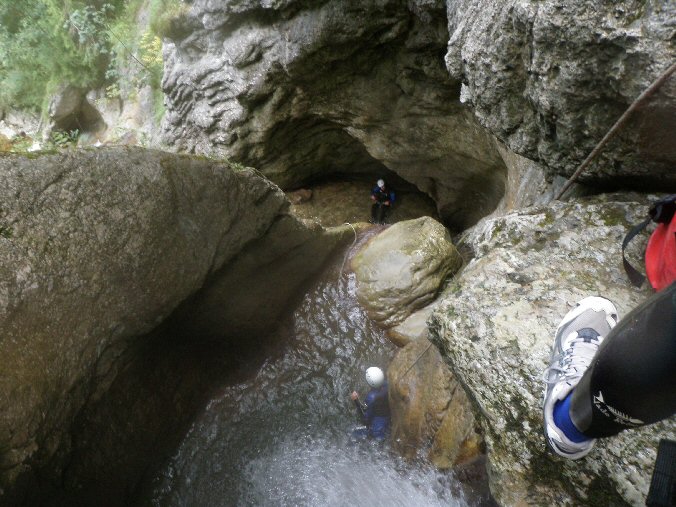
(574, 360)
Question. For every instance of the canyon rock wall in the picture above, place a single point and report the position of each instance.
(99, 247)
(550, 78)
(431, 415)
(422, 89)
(402, 269)
(302, 91)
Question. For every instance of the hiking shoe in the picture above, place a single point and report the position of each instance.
(577, 339)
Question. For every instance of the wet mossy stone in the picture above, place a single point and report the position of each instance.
(401, 269)
(495, 326)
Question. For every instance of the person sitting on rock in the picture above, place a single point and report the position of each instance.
(382, 198)
(375, 410)
(605, 377)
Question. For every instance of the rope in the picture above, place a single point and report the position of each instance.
(108, 29)
(615, 128)
(341, 274)
(414, 362)
(347, 252)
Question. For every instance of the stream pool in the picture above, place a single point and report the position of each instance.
(282, 436)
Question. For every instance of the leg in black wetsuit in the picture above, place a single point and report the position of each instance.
(378, 212)
(374, 212)
(632, 379)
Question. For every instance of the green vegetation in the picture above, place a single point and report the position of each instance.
(89, 44)
(47, 42)
(58, 140)
(613, 216)
(64, 139)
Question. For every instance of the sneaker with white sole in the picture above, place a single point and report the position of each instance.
(577, 339)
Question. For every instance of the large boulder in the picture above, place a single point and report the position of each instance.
(431, 415)
(401, 269)
(99, 247)
(549, 79)
(495, 325)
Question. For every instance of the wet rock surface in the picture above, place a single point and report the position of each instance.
(97, 249)
(431, 415)
(550, 79)
(495, 324)
(302, 90)
(401, 269)
(249, 295)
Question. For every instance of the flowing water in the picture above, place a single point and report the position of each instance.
(282, 437)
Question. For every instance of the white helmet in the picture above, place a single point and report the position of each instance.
(381, 183)
(375, 377)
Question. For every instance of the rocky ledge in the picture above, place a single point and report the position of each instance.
(495, 323)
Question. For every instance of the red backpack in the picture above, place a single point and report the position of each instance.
(660, 254)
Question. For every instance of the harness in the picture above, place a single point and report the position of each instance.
(381, 195)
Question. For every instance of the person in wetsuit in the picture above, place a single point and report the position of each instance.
(382, 198)
(606, 377)
(375, 409)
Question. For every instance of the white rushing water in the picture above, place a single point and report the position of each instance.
(282, 438)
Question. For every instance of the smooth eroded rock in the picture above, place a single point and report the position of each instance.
(431, 415)
(401, 269)
(97, 249)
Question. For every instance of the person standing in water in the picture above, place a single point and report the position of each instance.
(382, 198)
(375, 409)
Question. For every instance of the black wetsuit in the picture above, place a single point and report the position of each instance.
(379, 208)
(375, 412)
(632, 379)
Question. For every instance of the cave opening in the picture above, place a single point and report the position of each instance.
(328, 168)
(82, 119)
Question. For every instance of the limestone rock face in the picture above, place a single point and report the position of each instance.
(96, 249)
(302, 90)
(401, 269)
(411, 329)
(550, 78)
(430, 411)
(526, 184)
(495, 325)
